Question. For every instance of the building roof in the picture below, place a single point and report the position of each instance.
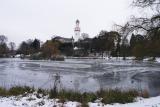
(63, 40)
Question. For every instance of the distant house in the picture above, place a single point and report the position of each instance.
(63, 40)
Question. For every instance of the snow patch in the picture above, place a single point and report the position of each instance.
(31, 100)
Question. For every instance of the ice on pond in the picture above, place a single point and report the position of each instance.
(82, 74)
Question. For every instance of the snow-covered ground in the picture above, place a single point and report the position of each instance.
(31, 100)
(150, 102)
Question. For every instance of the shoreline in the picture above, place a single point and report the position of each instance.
(38, 98)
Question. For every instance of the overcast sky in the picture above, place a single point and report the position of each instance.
(28, 19)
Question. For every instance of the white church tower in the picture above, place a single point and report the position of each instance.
(77, 31)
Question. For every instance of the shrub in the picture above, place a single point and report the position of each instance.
(117, 96)
(20, 90)
(3, 92)
(42, 91)
(73, 96)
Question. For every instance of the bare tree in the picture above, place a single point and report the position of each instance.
(12, 46)
(84, 36)
(145, 25)
(146, 3)
(3, 39)
(148, 26)
(50, 49)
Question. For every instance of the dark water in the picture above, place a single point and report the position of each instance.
(82, 74)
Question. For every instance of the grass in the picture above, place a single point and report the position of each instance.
(117, 96)
(20, 90)
(73, 96)
(15, 91)
(3, 92)
(107, 96)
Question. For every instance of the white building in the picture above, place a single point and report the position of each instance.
(77, 31)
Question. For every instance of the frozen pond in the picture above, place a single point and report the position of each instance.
(82, 74)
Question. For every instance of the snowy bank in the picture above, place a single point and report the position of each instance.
(31, 100)
(150, 102)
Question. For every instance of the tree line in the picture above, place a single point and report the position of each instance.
(108, 43)
(6, 50)
(145, 39)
